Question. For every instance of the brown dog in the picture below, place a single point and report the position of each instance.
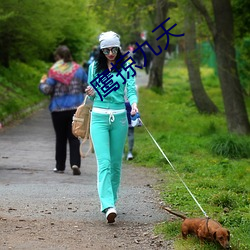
(204, 229)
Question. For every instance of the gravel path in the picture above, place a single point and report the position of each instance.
(43, 210)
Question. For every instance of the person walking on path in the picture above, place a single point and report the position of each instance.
(131, 129)
(65, 84)
(149, 56)
(109, 125)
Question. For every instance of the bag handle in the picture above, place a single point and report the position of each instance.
(83, 155)
(85, 99)
(85, 139)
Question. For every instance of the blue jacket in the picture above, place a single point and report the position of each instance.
(65, 97)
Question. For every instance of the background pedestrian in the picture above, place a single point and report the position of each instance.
(65, 84)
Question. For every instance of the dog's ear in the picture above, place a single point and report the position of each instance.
(214, 235)
(228, 237)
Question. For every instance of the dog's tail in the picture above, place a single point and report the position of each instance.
(175, 213)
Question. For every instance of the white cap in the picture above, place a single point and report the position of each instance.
(109, 39)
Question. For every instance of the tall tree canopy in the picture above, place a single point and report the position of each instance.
(27, 32)
(128, 18)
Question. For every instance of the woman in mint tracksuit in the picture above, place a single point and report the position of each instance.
(108, 77)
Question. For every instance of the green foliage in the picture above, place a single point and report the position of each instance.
(231, 146)
(135, 17)
(202, 31)
(29, 33)
(243, 61)
(219, 183)
(242, 35)
(224, 200)
(241, 17)
(19, 87)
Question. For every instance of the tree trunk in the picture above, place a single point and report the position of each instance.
(235, 109)
(156, 72)
(223, 37)
(201, 99)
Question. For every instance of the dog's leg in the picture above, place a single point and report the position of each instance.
(184, 235)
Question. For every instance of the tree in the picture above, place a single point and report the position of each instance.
(127, 18)
(201, 99)
(242, 33)
(132, 19)
(28, 33)
(156, 72)
(223, 37)
(241, 17)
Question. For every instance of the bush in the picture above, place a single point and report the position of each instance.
(224, 200)
(19, 88)
(231, 146)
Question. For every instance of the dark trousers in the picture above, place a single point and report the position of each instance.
(131, 139)
(62, 122)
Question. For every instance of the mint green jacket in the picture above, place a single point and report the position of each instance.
(114, 99)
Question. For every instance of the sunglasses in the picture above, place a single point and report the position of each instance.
(106, 51)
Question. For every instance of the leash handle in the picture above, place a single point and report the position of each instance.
(174, 169)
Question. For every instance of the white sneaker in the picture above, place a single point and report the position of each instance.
(58, 171)
(76, 170)
(111, 214)
(130, 156)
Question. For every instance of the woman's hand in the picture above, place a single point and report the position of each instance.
(134, 109)
(90, 91)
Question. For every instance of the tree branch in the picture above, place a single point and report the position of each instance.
(202, 9)
(172, 5)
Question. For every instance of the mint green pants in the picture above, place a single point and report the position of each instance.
(108, 136)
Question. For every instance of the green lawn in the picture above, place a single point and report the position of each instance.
(214, 164)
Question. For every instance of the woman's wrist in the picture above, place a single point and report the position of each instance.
(134, 108)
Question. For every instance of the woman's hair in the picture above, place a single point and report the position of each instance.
(63, 52)
(101, 64)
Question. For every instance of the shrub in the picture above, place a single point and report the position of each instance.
(223, 200)
(231, 146)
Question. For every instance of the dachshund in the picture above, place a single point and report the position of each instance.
(204, 229)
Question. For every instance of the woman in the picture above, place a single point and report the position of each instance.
(65, 83)
(109, 123)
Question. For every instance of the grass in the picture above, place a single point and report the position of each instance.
(19, 88)
(214, 164)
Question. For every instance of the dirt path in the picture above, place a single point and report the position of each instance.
(43, 210)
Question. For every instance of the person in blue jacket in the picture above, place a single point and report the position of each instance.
(131, 129)
(65, 83)
(130, 133)
(108, 79)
